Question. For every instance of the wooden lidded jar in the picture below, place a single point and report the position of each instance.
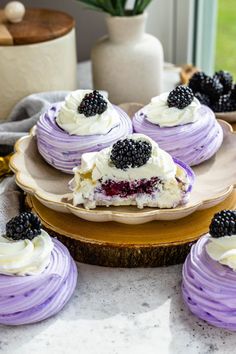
(37, 54)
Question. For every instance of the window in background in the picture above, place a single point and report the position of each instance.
(225, 58)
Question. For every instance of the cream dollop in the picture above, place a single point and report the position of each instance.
(74, 123)
(97, 165)
(25, 257)
(160, 164)
(223, 250)
(158, 112)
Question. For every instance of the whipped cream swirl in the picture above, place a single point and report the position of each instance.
(160, 164)
(25, 257)
(74, 123)
(158, 112)
(223, 250)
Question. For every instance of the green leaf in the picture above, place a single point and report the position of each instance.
(120, 7)
(136, 6)
(107, 6)
(144, 4)
(116, 7)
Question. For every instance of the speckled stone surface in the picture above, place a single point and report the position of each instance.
(121, 311)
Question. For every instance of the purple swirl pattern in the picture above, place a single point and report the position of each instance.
(30, 299)
(192, 143)
(64, 151)
(209, 288)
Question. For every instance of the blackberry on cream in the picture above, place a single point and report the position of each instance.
(142, 175)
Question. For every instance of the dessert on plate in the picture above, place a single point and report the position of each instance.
(209, 273)
(133, 171)
(86, 121)
(180, 125)
(37, 274)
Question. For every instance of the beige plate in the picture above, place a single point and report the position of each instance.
(215, 180)
(229, 117)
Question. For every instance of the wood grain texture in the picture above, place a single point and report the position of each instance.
(38, 25)
(158, 243)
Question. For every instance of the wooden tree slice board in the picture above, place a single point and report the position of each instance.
(38, 25)
(158, 243)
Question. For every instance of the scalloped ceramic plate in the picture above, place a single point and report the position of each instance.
(215, 180)
(229, 117)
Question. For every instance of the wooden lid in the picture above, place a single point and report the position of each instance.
(38, 25)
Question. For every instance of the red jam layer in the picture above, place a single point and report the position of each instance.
(125, 188)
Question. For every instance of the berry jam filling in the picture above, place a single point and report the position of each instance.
(124, 188)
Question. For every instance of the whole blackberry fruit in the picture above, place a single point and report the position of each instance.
(93, 103)
(203, 98)
(226, 79)
(233, 93)
(180, 97)
(196, 81)
(232, 105)
(24, 226)
(223, 224)
(223, 104)
(212, 87)
(130, 153)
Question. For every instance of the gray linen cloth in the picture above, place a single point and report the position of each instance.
(22, 118)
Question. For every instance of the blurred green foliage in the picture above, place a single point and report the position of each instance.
(226, 37)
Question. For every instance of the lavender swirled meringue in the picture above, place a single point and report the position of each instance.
(209, 287)
(192, 143)
(33, 298)
(63, 151)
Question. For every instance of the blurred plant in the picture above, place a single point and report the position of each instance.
(117, 7)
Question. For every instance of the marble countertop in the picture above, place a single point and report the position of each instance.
(121, 311)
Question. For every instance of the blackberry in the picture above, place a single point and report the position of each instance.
(130, 153)
(223, 104)
(233, 93)
(232, 105)
(203, 98)
(93, 103)
(223, 224)
(226, 79)
(180, 97)
(212, 87)
(196, 81)
(24, 226)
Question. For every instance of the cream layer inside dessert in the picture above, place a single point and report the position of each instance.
(158, 183)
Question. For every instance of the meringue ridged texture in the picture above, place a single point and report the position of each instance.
(63, 151)
(209, 287)
(192, 143)
(33, 298)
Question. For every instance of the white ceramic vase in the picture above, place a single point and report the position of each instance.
(128, 63)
